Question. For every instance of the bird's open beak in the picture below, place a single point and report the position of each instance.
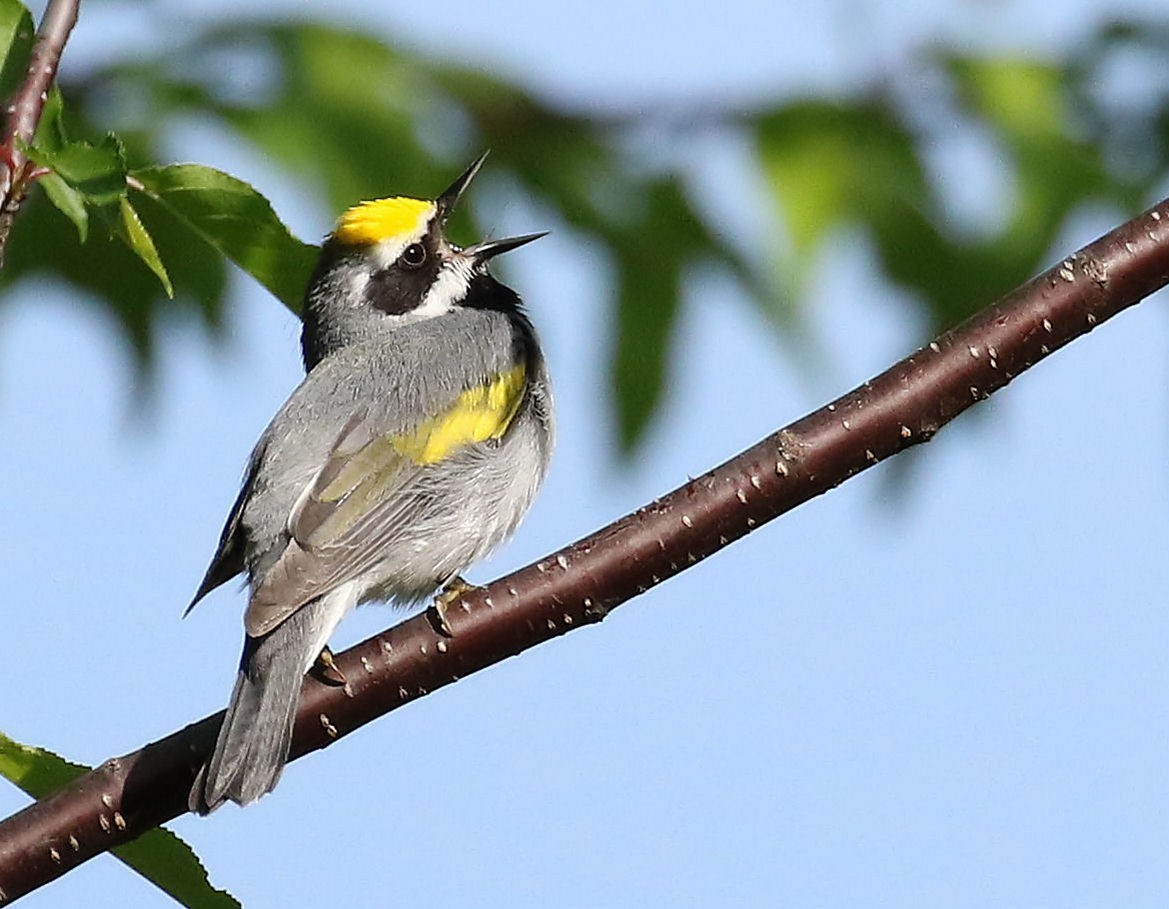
(488, 249)
(450, 197)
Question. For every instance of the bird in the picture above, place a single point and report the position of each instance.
(413, 447)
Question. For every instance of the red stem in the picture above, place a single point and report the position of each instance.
(27, 105)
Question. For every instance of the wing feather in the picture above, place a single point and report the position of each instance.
(371, 488)
(228, 560)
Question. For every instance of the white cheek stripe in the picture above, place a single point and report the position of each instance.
(448, 289)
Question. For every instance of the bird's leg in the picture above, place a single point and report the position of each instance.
(455, 588)
(327, 668)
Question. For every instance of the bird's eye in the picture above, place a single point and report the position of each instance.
(414, 255)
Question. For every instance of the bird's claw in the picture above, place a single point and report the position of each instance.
(454, 590)
(326, 667)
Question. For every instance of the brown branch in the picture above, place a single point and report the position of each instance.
(25, 109)
(580, 584)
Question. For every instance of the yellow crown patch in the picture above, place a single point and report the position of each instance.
(382, 219)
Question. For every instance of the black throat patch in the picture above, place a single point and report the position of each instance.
(487, 293)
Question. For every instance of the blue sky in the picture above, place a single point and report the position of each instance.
(951, 690)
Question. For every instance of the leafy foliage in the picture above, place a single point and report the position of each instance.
(353, 117)
(237, 221)
(16, 36)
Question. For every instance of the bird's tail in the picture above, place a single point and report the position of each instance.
(254, 739)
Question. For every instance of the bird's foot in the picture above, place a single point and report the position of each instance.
(456, 588)
(326, 668)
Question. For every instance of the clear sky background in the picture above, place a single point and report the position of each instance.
(948, 691)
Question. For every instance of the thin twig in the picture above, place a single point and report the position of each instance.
(25, 108)
(904, 406)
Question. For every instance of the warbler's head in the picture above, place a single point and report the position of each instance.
(388, 262)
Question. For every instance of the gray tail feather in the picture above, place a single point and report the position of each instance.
(254, 739)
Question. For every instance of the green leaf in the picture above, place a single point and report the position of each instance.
(238, 221)
(50, 133)
(1019, 96)
(131, 230)
(36, 771)
(1032, 110)
(647, 307)
(106, 270)
(69, 201)
(171, 865)
(832, 163)
(97, 172)
(158, 855)
(16, 38)
(651, 260)
(859, 163)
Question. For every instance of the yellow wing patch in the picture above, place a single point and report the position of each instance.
(479, 414)
(368, 223)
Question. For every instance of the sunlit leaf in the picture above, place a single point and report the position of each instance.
(132, 231)
(171, 865)
(97, 172)
(238, 221)
(36, 771)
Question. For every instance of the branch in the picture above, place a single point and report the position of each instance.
(579, 585)
(26, 106)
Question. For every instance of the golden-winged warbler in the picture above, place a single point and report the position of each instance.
(414, 446)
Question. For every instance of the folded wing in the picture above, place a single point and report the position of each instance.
(372, 486)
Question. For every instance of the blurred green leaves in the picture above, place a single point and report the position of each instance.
(834, 164)
(16, 37)
(231, 216)
(353, 117)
